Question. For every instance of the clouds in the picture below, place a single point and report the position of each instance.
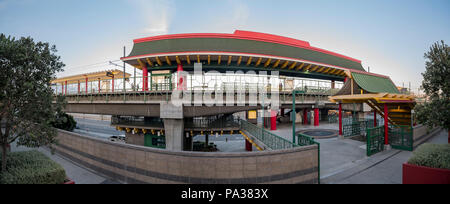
(157, 15)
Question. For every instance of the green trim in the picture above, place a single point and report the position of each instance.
(375, 84)
(240, 46)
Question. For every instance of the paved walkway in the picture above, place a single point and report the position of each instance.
(382, 168)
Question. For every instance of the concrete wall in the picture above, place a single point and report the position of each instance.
(135, 164)
(422, 133)
(135, 139)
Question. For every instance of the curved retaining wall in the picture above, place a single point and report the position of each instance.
(137, 164)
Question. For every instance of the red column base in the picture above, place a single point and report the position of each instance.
(248, 146)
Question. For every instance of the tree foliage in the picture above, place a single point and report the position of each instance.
(26, 110)
(436, 84)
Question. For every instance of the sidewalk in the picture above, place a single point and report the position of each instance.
(382, 168)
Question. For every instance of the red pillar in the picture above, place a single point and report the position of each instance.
(305, 116)
(65, 89)
(86, 85)
(340, 119)
(181, 81)
(345, 80)
(374, 118)
(112, 84)
(62, 88)
(316, 117)
(78, 87)
(248, 146)
(386, 127)
(145, 78)
(273, 120)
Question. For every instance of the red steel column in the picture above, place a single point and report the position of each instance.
(316, 117)
(305, 116)
(340, 118)
(273, 120)
(374, 118)
(62, 88)
(112, 83)
(386, 127)
(145, 78)
(248, 146)
(181, 81)
(86, 85)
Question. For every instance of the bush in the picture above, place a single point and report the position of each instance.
(64, 121)
(32, 167)
(432, 155)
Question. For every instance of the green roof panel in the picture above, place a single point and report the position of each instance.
(374, 84)
(242, 46)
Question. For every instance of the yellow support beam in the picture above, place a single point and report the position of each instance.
(334, 70)
(158, 61)
(307, 67)
(188, 59)
(209, 59)
(315, 68)
(142, 64)
(267, 62)
(149, 62)
(293, 65)
(327, 70)
(239, 60)
(219, 60)
(178, 59)
(258, 62)
(229, 60)
(198, 58)
(168, 61)
(285, 64)
(249, 61)
(300, 66)
(276, 64)
(321, 69)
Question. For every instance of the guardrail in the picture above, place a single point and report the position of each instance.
(305, 140)
(271, 140)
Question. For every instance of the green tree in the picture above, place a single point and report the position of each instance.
(26, 110)
(436, 84)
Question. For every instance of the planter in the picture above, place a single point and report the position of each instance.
(69, 181)
(413, 174)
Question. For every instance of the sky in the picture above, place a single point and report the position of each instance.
(389, 36)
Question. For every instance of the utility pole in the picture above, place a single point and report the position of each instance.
(124, 88)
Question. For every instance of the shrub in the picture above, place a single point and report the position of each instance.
(432, 155)
(64, 121)
(32, 167)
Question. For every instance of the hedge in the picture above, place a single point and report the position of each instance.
(432, 155)
(31, 167)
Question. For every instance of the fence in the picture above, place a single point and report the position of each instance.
(305, 140)
(401, 137)
(271, 140)
(375, 140)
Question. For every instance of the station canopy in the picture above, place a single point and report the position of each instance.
(242, 50)
(93, 76)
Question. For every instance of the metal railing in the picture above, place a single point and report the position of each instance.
(305, 140)
(271, 140)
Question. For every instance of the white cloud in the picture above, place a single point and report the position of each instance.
(157, 15)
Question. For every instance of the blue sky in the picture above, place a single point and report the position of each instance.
(389, 36)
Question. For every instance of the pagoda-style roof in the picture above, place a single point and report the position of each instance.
(239, 51)
(93, 76)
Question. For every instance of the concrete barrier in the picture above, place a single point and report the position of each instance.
(138, 164)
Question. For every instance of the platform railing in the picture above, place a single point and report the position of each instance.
(305, 140)
(269, 139)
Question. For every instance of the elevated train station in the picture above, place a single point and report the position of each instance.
(311, 81)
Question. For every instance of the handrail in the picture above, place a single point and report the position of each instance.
(271, 140)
